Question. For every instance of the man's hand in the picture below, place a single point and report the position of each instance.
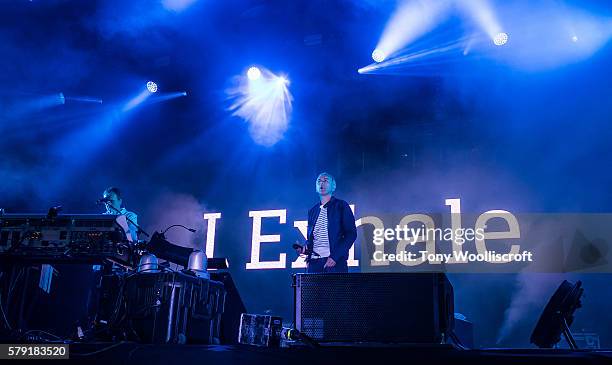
(329, 263)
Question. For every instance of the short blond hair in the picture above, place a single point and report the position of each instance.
(330, 178)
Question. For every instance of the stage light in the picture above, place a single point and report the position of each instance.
(265, 104)
(544, 34)
(253, 73)
(152, 87)
(378, 55)
(500, 39)
(439, 53)
(557, 316)
(281, 80)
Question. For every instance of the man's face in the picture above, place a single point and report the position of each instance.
(324, 185)
(114, 201)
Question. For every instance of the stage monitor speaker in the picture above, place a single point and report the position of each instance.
(374, 307)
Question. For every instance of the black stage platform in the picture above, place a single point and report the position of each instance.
(133, 353)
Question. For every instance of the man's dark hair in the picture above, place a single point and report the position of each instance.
(115, 190)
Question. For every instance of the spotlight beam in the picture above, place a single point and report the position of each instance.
(403, 60)
(483, 14)
(137, 100)
(166, 96)
(31, 103)
(83, 99)
(264, 103)
(411, 19)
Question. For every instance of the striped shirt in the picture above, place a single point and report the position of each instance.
(321, 240)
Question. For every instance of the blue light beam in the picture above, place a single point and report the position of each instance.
(410, 20)
(264, 103)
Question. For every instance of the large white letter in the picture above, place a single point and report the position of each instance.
(210, 232)
(455, 211)
(300, 262)
(258, 238)
(512, 232)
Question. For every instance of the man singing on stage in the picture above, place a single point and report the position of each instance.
(331, 230)
(113, 201)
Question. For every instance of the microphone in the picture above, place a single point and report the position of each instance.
(103, 200)
(305, 250)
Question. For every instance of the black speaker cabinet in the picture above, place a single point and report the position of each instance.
(174, 308)
(234, 307)
(374, 307)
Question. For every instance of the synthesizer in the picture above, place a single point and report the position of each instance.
(69, 237)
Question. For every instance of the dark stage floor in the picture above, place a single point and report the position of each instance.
(132, 353)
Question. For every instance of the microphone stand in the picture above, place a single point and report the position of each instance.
(140, 230)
